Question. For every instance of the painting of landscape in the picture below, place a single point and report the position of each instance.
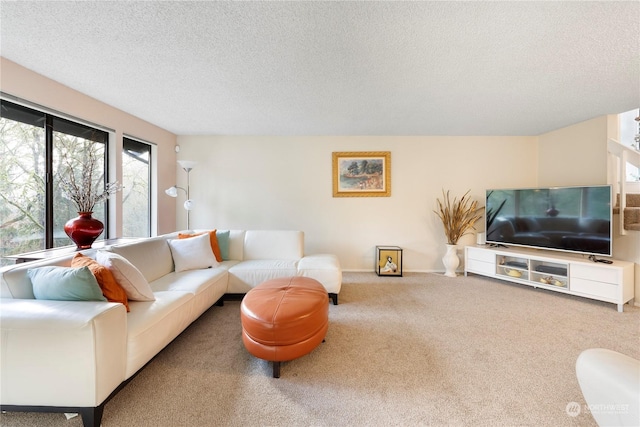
(361, 174)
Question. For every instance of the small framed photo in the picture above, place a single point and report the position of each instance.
(362, 174)
(388, 261)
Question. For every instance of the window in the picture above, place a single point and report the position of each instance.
(33, 147)
(136, 193)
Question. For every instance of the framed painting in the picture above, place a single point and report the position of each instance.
(362, 174)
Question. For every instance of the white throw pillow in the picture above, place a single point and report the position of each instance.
(127, 276)
(192, 253)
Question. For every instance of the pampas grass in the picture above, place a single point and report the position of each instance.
(458, 217)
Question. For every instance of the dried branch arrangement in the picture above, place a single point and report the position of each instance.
(81, 189)
(458, 217)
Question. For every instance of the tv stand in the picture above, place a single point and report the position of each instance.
(559, 272)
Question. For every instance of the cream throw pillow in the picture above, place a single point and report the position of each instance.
(127, 276)
(193, 253)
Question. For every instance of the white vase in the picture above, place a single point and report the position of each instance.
(451, 260)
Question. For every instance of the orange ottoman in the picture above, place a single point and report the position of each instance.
(283, 319)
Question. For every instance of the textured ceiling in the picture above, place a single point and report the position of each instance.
(338, 68)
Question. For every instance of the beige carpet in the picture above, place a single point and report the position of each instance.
(419, 350)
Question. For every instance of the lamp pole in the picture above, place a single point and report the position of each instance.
(188, 170)
(188, 165)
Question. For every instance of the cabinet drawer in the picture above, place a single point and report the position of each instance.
(596, 273)
(481, 255)
(599, 289)
(480, 267)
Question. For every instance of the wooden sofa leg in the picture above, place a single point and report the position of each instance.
(276, 369)
(334, 298)
(92, 417)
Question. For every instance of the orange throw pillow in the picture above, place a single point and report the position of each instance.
(111, 290)
(214, 242)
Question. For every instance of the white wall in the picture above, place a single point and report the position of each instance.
(286, 183)
(25, 84)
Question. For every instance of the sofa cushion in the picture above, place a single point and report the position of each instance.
(245, 275)
(236, 245)
(151, 325)
(192, 253)
(151, 256)
(194, 281)
(14, 282)
(273, 244)
(111, 290)
(127, 276)
(65, 284)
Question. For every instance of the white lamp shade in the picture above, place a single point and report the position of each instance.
(188, 204)
(187, 164)
(173, 191)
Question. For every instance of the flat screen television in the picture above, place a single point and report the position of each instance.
(571, 219)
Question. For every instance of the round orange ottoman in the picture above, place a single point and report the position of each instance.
(283, 319)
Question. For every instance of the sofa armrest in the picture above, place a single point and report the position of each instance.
(61, 353)
(325, 268)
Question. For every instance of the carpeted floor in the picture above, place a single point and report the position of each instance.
(423, 349)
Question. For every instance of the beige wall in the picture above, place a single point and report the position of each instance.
(20, 82)
(575, 155)
(286, 183)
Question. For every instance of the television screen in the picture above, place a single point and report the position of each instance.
(573, 219)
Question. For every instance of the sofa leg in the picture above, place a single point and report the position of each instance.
(92, 417)
(276, 369)
(334, 298)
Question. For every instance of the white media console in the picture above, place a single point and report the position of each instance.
(566, 273)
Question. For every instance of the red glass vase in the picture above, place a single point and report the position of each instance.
(83, 230)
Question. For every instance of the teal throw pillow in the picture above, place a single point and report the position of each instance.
(223, 243)
(65, 284)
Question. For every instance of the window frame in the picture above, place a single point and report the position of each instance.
(129, 140)
(57, 122)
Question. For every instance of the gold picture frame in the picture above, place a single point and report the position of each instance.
(362, 174)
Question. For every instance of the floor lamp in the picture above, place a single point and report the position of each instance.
(187, 165)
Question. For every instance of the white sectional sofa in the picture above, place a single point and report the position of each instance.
(73, 356)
